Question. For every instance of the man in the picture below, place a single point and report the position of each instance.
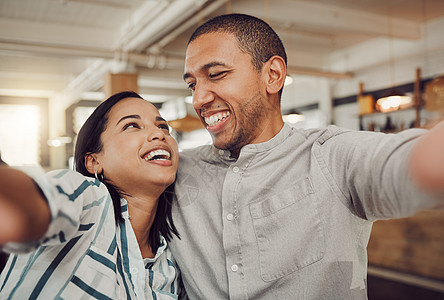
(275, 212)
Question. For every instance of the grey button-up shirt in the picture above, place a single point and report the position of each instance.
(291, 217)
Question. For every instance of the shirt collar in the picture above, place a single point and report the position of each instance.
(260, 147)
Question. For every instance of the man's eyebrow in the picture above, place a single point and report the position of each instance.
(205, 68)
(128, 117)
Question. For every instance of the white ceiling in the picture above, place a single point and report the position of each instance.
(63, 48)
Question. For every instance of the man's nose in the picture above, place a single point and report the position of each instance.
(202, 96)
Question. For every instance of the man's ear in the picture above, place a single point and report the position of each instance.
(92, 164)
(276, 73)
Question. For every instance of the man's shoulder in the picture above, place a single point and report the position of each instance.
(321, 133)
(196, 155)
(203, 150)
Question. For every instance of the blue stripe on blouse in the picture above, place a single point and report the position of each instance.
(62, 237)
(60, 174)
(122, 274)
(151, 280)
(14, 260)
(103, 260)
(85, 184)
(89, 290)
(94, 203)
(165, 278)
(86, 227)
(29, 264)
(170, 264)
(103, 217)
(112, 247)
(125, 253)
(65, 216)
(44, 279)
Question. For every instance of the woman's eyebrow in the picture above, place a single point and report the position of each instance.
(160, 119)
(129, 117)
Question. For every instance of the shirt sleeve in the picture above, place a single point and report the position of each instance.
(369, 171)
(73, 200)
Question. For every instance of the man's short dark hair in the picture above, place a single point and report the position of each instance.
(255, 36)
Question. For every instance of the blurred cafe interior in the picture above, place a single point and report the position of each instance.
(361, 64)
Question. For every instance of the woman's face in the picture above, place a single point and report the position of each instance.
(138, 153)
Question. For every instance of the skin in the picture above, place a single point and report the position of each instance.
(426, 161)
(24, 213)
(134, 129)
(223, 79)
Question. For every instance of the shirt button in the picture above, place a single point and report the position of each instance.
(234, 268)
(230, 217)
(221, 152)
(134, 270)
(235, 169)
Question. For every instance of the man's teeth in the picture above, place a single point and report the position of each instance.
(158, 154)
(216, 118)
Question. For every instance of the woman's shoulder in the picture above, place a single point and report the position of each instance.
(67, 174)
(69, 181)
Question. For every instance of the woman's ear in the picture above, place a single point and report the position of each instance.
(276, 71)
(92, 164)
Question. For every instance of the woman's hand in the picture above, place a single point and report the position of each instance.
(24, 212)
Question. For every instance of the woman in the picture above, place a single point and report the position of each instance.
(100, 232)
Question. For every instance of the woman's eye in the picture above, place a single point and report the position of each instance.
(131, 125)
(164, 126)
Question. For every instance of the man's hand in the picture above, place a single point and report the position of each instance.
(426, 162)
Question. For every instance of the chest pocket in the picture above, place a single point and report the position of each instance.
(288, 231)
(95, 276)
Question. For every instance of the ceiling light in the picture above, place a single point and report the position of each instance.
(293, 118)
(393, 102)
(59, 141)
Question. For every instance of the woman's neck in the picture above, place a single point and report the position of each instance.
(142, 211)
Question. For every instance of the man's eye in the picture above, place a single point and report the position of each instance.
(131, 125)
(215, 75)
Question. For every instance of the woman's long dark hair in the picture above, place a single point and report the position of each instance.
(88, 141)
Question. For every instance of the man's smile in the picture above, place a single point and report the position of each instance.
(216, 118)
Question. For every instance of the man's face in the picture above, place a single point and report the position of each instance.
(229, 94)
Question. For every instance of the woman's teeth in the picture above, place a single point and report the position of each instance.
(158, 154)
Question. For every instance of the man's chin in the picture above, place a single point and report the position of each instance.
(221, 144)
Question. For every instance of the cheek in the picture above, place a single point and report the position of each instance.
(118, 148)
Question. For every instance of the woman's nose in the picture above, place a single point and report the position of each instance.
(156, 134)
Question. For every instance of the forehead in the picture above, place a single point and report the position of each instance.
(133, 106)
(214, 46)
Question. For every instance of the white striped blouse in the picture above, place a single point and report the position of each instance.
(84, 254)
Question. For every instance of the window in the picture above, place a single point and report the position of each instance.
(24, 131)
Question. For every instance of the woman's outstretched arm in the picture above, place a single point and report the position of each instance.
(24, 212)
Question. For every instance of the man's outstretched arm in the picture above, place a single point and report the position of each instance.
(426, 162)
